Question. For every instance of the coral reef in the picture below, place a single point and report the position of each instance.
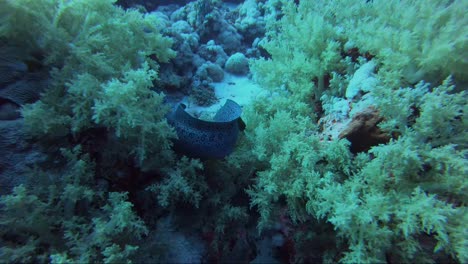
(355, 151)
(374, 196)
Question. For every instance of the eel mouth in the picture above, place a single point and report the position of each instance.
(213, 139)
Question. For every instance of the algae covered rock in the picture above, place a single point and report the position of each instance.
(237, 64)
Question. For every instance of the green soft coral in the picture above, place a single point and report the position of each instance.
(185, 183)
(135, 113)
(304, 48)
(381, 204)
(48, 225)
(86, 43)
(103, 62)
(412, 39)
(95, 35)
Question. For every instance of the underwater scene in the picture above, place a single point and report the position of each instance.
(256, 131)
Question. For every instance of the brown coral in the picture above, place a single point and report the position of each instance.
(363, 132)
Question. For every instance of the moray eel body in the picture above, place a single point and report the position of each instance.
(207, 139)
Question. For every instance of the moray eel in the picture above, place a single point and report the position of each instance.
(207, 139)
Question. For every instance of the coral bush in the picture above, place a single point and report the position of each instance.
(411, 39)
(314, 52)
(70, 220)
(135, 113)
(82, 42)
(400, 202)
(182, 183)
(102, 61)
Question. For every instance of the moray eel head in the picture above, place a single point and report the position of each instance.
(207, 139)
